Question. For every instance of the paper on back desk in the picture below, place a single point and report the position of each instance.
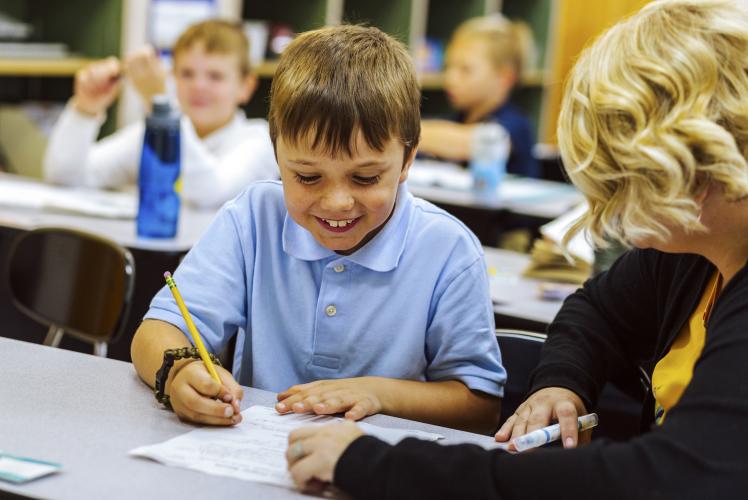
(253, 450)
(441, 174)
(579, 245)
(513, 189)
(38, 196)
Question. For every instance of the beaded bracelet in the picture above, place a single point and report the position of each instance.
(162, 375)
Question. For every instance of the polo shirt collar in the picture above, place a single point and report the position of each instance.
(381, 254)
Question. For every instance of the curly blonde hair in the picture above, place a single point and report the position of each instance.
(653, 111)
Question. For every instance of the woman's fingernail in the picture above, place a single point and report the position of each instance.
(227, 397)
(569, 442)
(228, 411)
(321, 406)
(281, 406)
(236, 419)
(298, 406)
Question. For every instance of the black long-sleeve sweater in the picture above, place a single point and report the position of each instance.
(637, 308)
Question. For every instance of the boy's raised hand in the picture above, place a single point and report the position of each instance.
(196, 397)
(147, 73)
(356, 397)
(96, 86)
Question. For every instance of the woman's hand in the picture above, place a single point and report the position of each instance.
(196, 397)
(540, 409)
(314, 451)
(356, 397)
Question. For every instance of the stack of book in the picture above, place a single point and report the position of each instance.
(549, 263)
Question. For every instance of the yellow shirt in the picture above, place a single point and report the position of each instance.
(673, 372)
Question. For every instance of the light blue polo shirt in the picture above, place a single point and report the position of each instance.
(413, 303)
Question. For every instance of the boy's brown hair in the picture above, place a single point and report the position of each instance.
(334, 82)
(217, 36)
(507, 42)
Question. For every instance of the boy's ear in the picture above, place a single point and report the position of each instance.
(408, 163)
(508, 77)
(248, 87)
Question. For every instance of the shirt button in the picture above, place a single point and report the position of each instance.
(331, 310)
(339, 268)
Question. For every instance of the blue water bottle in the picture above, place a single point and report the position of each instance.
(488, 156)
(158, 182)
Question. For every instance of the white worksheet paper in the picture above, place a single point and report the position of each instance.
(253, 450)
(95, 203)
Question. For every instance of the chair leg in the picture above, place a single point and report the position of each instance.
(54, 336)
(100, 349)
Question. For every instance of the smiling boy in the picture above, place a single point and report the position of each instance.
(347, 294)
(222, 150)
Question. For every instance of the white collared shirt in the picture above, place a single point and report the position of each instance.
(214, 169)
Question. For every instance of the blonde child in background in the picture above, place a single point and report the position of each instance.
(222, 150)
(484, 61)
(348, 295)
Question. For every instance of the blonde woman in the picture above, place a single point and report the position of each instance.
(485, 59)
(654, 131)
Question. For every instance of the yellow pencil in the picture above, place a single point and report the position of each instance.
(191, 327)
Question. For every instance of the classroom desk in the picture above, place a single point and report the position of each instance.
(516, 299)
(449, 184)
(86, 413)
(192, 222)
(152, 257)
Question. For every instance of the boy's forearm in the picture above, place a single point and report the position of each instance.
(151, 339)
(446, 139)
(449, 403)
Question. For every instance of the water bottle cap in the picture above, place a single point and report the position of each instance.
(490, 140)
(491, 131)
(160, 105)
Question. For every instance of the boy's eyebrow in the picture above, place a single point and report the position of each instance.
(364, 163)
(370, 163)
(303, 162)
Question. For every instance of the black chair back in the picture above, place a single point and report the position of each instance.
(520, 354)
(73, 282)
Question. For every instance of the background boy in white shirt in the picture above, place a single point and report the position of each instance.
(222, 151)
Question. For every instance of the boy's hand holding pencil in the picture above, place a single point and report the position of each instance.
(201, 391)
(196, 397)
(98, 84)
